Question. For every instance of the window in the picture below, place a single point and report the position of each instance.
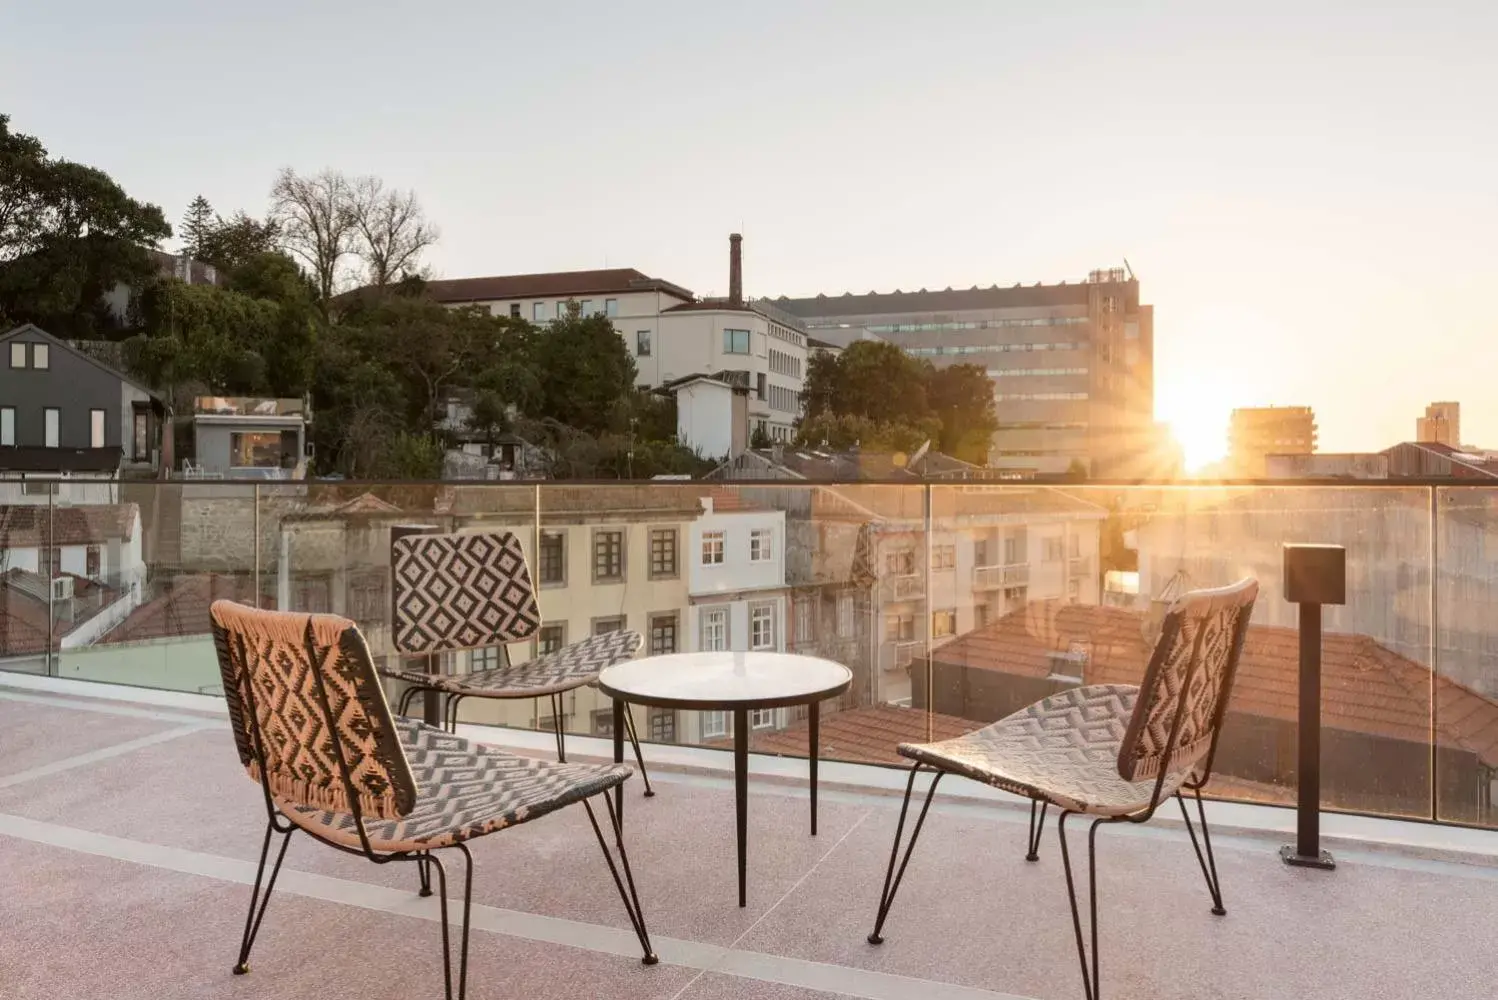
(368, 602)
(488, 658)
(587, 307)
(761, 545)
(18, 355)
(39, 487)
(900, 563)
(613, 623)
(41, 356)
(662, 553)
(50, 560)
(899, 628)
(1015, 596)
(51, 416)
(714, 629)
(980, 552)
(91, 562)
(551, 638)
(611, 307)
(762, 626)
(553, 559)
(260, 450)
(141, 436)
(714, 725)
(943, 623)
(663, 634)
(642, 343)
(1074, 589)
(1075, 544)
(943, 556)
(96, 428)
(662, 725)
(980, 615)
(806, 612)
(736, 342)
(561, 309)
(608, 556)
(1054, 550)
(762, 718)
(712, 548)
(760, 381)
(7, 425)
(603, 721)
(1014, 549)
(538, 312)
(514, 310)
(845, 615)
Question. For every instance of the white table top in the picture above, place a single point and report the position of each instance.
(725, 680)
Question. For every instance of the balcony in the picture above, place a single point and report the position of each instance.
(129, 833)
(1000, 577)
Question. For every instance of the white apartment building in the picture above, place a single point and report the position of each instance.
(669, 331)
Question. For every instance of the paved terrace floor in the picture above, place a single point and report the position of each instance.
(128, 835)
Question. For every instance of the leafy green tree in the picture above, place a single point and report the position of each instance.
(229, 244)
(23, 173)
(410, 456)
(586, 372)
(197, 223)
(961, 398)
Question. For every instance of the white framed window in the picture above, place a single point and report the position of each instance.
(41, 356)
(943, 623)
(538, 312)
(761, 545)
(51, 418)
(845, 615)
(735, 341)
(587, 307)
(805, 620)
(642, 343)
(7, 425)
(714, 725)
(714, 627)
(899, 628)
(762, 718)
(762, 626)
(488, 658)
(712, 548)
(96, 428)
(18, 354)
(943, 556)
(611, 307)
(561, 309)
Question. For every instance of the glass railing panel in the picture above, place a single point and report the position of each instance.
(1038, 589)
(1465, 715)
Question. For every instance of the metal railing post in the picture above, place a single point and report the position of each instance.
(1315, 575)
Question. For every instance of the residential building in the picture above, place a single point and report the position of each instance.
(59, 475)
(247, 438)
(1442, 424)
(671, 333)
(1255, 433)
(1072, 364)
(712, 414)
(1327, 465)
(1406, 460)
(55, 397)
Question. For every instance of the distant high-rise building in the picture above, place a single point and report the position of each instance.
(1072, 364)
(1258, 432)
(1442, 424)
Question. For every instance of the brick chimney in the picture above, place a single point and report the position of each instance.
(735, 269)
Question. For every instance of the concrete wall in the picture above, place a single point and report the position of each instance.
(704, 418)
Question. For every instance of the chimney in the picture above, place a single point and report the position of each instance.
(735, 269)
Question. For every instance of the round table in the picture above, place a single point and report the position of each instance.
(734, 682)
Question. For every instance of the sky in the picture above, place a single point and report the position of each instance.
(1307, 192)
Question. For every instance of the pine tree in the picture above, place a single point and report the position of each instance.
(197, 225)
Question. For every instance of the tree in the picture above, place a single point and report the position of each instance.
(317, 223)
(587, 374)
(393, 230)
(23, 170)
(197, 223)
(870, 379)
(961, 397)
(230, 243)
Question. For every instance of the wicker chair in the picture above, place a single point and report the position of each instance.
(473, 591)
(312, 727)
(1110, 751)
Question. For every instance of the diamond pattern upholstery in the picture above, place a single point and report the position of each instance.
(1101, 748)
(467, 790)
(567, 668)
(271, 661)
(461, 591)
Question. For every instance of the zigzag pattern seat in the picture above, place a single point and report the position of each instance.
(464, 790)
(562, 670)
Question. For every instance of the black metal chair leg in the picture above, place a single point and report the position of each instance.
(453, 701)
(403, 707)
(630, 898)
(634, 739)
(1036, 829)
(1091, 987)
(892, 879)
(253, 918)
(1208, 863)
(556, 720)
(424, 873)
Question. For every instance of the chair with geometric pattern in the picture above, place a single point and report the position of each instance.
(1111, 751)
(473, 591)
(313, 728)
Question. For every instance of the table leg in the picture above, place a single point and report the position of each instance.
(741, 787)
(619, 709)
(431, 705)
(813, 725)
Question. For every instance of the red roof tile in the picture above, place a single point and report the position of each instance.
(550, 285)
(182, 607)
(31, 526)
(863, 735)
(1366, 687)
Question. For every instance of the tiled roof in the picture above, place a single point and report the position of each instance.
(551, 285)
(1366, 687)
(863, 735)
(26, 620)
(31, 526)
(182, 607)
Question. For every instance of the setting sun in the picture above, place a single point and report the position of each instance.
(1197, 412)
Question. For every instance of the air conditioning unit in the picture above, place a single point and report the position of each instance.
(62, 588)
